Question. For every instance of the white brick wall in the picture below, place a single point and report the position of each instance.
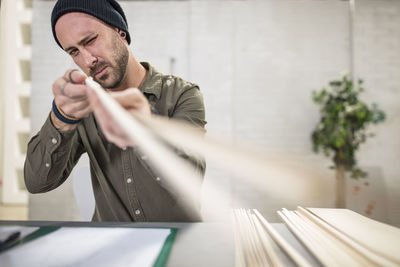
(256, 63)
(377, 60)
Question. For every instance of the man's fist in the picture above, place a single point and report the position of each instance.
(130, 99)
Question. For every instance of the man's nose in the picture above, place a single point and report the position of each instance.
(88, 59)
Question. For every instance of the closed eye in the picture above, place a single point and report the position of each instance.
(90, 41)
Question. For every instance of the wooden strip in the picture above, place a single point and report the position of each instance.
(267, 243)
(332, 245)
(343, 253)
(252, 256)
(239, 257)
(242, 240)
(378, 237)
(306, 239)
(251, 252)
(256, 244)
(263, 257)
(282, 243)
(321, 247)
(371, 256)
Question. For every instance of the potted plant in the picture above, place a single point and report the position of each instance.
(342, 128)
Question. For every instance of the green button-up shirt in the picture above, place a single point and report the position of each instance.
(124, 186)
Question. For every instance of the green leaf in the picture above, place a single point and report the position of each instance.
(339, 142)
(335, 83)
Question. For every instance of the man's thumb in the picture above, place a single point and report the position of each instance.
(76, 76)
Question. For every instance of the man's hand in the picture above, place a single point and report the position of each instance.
(131, 99)
(70, 97)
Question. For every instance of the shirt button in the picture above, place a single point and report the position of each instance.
(137, 212)
(54, 141)
(129, 180)
(158, 179)
(47, 165)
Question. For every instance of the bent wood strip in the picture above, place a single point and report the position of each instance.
(180, 174)
(259, 169)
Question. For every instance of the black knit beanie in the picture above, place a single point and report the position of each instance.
(108, 11)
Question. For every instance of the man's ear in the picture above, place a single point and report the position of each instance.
(121, 33)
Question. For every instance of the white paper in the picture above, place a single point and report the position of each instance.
(70, 246)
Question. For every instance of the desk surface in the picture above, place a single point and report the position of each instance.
(196, 244)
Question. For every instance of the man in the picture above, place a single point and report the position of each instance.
(95, 34)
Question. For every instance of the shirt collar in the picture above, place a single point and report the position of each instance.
(152, 83)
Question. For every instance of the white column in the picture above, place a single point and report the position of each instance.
(16, 18)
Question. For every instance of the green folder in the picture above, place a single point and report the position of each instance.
(165, 251)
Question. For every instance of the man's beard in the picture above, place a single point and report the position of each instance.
(121, 56)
